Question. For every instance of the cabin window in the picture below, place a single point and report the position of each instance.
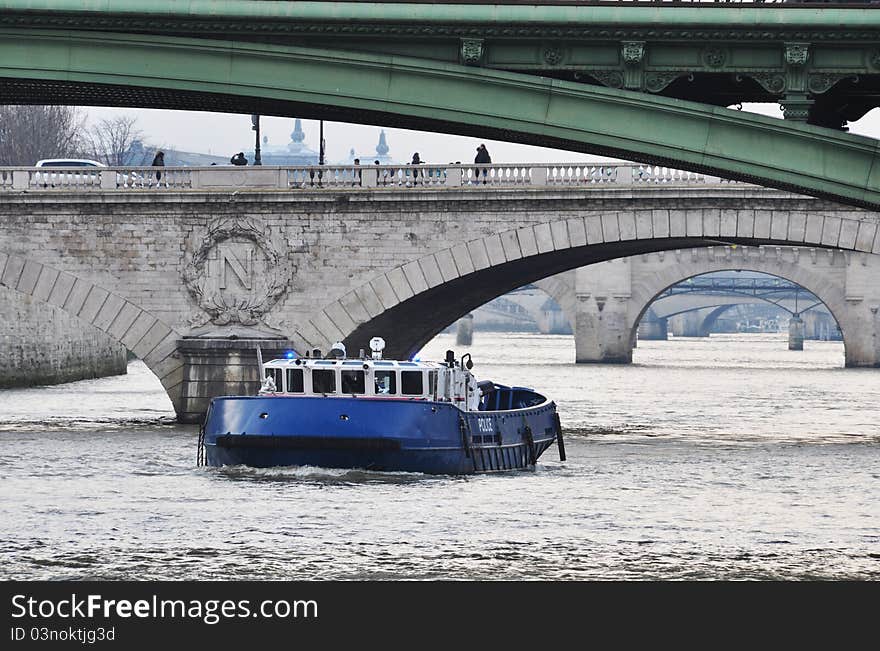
(353, 382)
(432, 383)
(323, 381)
(276, 374)
(295, 381)
(386, 383)
(411, 383)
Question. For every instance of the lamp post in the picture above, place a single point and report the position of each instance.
(255, 122)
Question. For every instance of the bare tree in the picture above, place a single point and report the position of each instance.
(29, 133)
(117, 141)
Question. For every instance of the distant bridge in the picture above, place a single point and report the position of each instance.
(606, 302)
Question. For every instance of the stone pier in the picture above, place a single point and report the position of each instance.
(464, 332)
(653, 327)
(796, 333)
(216, 367)
(690, 324)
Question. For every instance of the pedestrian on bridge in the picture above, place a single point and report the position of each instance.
(239, 159)
(482, 158)
(159, 161)
(416, 161)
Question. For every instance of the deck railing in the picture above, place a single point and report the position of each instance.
(351, 177)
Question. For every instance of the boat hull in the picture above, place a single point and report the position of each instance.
(378, 434)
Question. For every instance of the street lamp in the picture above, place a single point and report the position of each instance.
(255, 122)
(321, 147)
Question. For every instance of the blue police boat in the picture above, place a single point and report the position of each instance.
(379, 414)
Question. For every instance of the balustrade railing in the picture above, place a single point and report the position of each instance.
(349, 177)
(5, 180)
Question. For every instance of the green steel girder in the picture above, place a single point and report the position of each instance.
(821, 62)
(125, 69)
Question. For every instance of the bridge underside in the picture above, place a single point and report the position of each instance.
(416, 321)
(821, 66)
(167, 72)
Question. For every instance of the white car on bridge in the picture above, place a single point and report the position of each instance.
(76, 172)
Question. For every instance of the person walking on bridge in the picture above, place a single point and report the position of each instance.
(482, 158)
(416, 161)
(159, 161)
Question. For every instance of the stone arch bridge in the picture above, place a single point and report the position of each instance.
(191, 280)
(605, 302)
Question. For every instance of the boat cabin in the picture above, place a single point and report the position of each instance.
(371, 378)
(375, 377)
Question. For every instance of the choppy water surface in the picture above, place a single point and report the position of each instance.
(721, 458)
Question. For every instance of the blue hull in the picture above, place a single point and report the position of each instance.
(374, 434)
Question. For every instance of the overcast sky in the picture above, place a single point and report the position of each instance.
(225, 134)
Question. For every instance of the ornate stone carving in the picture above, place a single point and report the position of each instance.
(632, 51)
(874, 58)
(471, 51)
(210, 24)
(796, 54)
(237, 274)
(771, 82)
(714, 57)
(657, 81)
(552, 55)
(610, 78)
(796, 108)
(821, 82)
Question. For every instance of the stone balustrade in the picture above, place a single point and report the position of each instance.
(335, 177)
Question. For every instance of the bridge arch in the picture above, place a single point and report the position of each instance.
(647, 292)
(145, 335)
(416, 300)
(714, 315)
(561, 289)
(667, 307)
(160, 71)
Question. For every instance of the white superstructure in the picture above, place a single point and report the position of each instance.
(449, 381)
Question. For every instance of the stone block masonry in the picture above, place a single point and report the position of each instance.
(154, 269)
(42, 344)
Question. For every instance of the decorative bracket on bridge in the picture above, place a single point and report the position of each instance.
(609, 78)
(796, 104)
(819, 83)
(471, 51)
(772, 82)
(633, 55)
(657, 81)
(797, 54)
(632, 52)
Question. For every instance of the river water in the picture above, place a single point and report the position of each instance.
(721, 458)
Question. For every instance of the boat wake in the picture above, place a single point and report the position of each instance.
(87, 424)
(316, 474)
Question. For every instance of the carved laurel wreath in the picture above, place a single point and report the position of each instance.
(246, 311)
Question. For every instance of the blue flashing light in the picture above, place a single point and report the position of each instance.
(291, 354)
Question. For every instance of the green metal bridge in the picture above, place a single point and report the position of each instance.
(644, 81)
